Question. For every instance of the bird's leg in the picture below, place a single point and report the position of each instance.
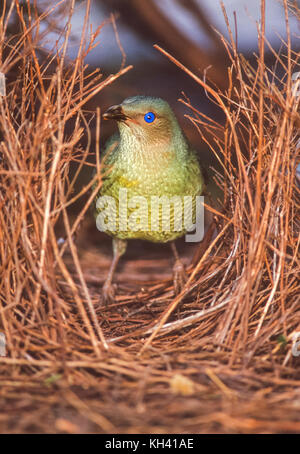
(179, 275)
(108, 291)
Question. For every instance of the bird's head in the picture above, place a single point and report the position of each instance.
(149, 120)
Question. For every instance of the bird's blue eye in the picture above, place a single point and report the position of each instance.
(149, 117)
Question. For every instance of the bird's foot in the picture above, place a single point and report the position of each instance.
(108, 293)
(179, 276)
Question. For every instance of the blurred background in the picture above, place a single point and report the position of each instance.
(188, 29)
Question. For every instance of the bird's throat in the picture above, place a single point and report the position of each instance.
(155, 153)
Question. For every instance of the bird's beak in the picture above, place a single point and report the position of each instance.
(115, 113)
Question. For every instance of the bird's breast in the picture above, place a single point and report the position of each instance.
(150, 205)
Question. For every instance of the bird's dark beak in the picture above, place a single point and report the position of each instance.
(115, 113)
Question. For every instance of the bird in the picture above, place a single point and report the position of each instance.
(149, 158)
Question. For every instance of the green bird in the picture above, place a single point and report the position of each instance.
(147, 163)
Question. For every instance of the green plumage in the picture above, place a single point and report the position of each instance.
(148, 159)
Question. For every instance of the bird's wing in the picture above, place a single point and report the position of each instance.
(110, 147)
(108, 156)
(197, 167)
(110, 173)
